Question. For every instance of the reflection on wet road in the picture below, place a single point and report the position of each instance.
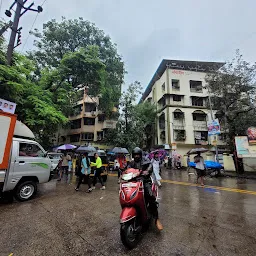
(219, 219)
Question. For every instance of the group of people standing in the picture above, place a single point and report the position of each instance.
(83, 170)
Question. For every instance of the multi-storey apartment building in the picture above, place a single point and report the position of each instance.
(180, 92)
(87, 124)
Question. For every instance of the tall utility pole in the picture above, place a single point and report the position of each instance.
(14, 31)
(18, 14)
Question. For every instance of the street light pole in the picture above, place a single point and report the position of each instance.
(216, 147)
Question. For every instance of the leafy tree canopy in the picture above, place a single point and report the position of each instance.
(233, 90)
(77, 52)
(35, 106)
(136, 123)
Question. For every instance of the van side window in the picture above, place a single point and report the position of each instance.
(30, 150)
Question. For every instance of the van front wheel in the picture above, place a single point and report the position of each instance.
(25, 191)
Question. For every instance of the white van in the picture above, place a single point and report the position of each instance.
(28, 165)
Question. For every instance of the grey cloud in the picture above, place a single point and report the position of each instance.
(147, 31)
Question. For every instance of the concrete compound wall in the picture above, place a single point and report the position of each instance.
(249, 164)
(228, 162)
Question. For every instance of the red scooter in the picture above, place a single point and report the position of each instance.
(135, 216)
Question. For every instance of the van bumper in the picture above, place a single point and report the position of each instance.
(51, 175)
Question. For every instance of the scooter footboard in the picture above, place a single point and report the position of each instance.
(127, 214)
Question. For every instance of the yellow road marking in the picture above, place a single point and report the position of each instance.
(235, 190)
(208, 186)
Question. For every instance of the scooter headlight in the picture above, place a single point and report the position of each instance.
(133, 194)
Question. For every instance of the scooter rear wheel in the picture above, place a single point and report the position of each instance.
(129, 236)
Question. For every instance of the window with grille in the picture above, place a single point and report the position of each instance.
(88, 136)
(197, 101)
(176, 98)
(175, 85)
(76, 124)
(89, 121)
(196, 86)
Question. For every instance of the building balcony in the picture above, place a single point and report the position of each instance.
(196, 90)
(76, 116)
(178, 124)
(200, 126)
(88, 128)
(109, 124)
(201, 142)
(74, 131)
(91, 114)
(176, 103)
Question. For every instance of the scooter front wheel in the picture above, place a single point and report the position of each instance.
(129, 235)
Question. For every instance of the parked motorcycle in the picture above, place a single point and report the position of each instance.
(135, 216)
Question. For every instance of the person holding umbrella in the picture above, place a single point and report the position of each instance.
(200, 167)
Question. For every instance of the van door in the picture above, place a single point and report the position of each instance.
(31, 161)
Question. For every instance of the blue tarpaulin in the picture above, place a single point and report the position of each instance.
(208, 164)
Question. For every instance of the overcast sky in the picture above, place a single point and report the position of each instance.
(146, 31)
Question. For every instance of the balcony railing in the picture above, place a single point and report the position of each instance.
(201, 142)
(200, 125)
(178, 124)
(177, 103)
(74, 131)
(197, 90)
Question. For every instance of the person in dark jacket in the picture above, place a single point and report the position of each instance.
(146, 166)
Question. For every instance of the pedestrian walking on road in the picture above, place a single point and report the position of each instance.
(156, 169)
(97, 173)
(64, 165)
(70, 172)
(85, 173)
(200, 167)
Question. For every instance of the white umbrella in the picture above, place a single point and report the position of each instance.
(195, 150)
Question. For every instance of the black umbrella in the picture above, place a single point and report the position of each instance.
(119, 150)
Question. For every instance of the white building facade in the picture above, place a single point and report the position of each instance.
(180, 92)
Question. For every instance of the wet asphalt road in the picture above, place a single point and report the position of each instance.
(197, 221)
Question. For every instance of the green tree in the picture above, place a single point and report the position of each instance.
(62, 44)
(135, 126)
(233, 90)
(35, 106)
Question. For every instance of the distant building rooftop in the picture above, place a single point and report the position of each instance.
(197, 66)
